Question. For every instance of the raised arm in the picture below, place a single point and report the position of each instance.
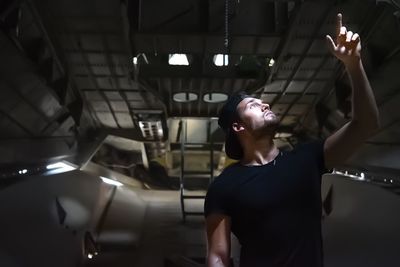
(365, 116)
(218, 229)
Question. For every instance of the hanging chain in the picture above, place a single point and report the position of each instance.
(226, 36)
(226, 33)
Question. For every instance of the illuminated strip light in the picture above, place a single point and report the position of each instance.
(110, 181)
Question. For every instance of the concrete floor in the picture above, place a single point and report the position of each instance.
(362, 229)
(163, 234)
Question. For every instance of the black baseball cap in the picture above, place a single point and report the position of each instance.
(227, 116)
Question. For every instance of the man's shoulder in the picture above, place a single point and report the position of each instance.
(227, 175)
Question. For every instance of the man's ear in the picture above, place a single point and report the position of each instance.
(237, 127)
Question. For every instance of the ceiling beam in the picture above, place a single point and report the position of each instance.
(321, 20)
(365, 30)
(94, 80)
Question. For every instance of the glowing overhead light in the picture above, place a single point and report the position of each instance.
(110, 181)
(221, 60)
(90, 256)
(178, 59)
(134, 60)
(271, 62)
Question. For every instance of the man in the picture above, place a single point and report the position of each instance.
(270, 199)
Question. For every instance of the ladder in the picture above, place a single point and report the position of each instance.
(184, 174)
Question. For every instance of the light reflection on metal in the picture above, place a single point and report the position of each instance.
(59, 167)
(347, 174)
(362, 176)
(110, 181)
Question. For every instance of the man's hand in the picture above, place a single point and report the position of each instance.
(348, 45)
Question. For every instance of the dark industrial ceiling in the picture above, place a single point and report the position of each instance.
(73, 72)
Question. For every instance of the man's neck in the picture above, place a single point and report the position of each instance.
(259, 152)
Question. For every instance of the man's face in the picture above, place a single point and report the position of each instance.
(257, 116)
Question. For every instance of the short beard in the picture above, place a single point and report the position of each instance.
(268, 129)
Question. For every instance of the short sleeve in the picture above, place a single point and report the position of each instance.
(215, 201)
(317, 149)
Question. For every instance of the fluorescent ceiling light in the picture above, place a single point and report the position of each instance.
(221, 60)
(110, 181)
(178, 59)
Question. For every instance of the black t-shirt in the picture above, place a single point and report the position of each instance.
(275, 208)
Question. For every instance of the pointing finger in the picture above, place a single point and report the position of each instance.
(338, 24)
